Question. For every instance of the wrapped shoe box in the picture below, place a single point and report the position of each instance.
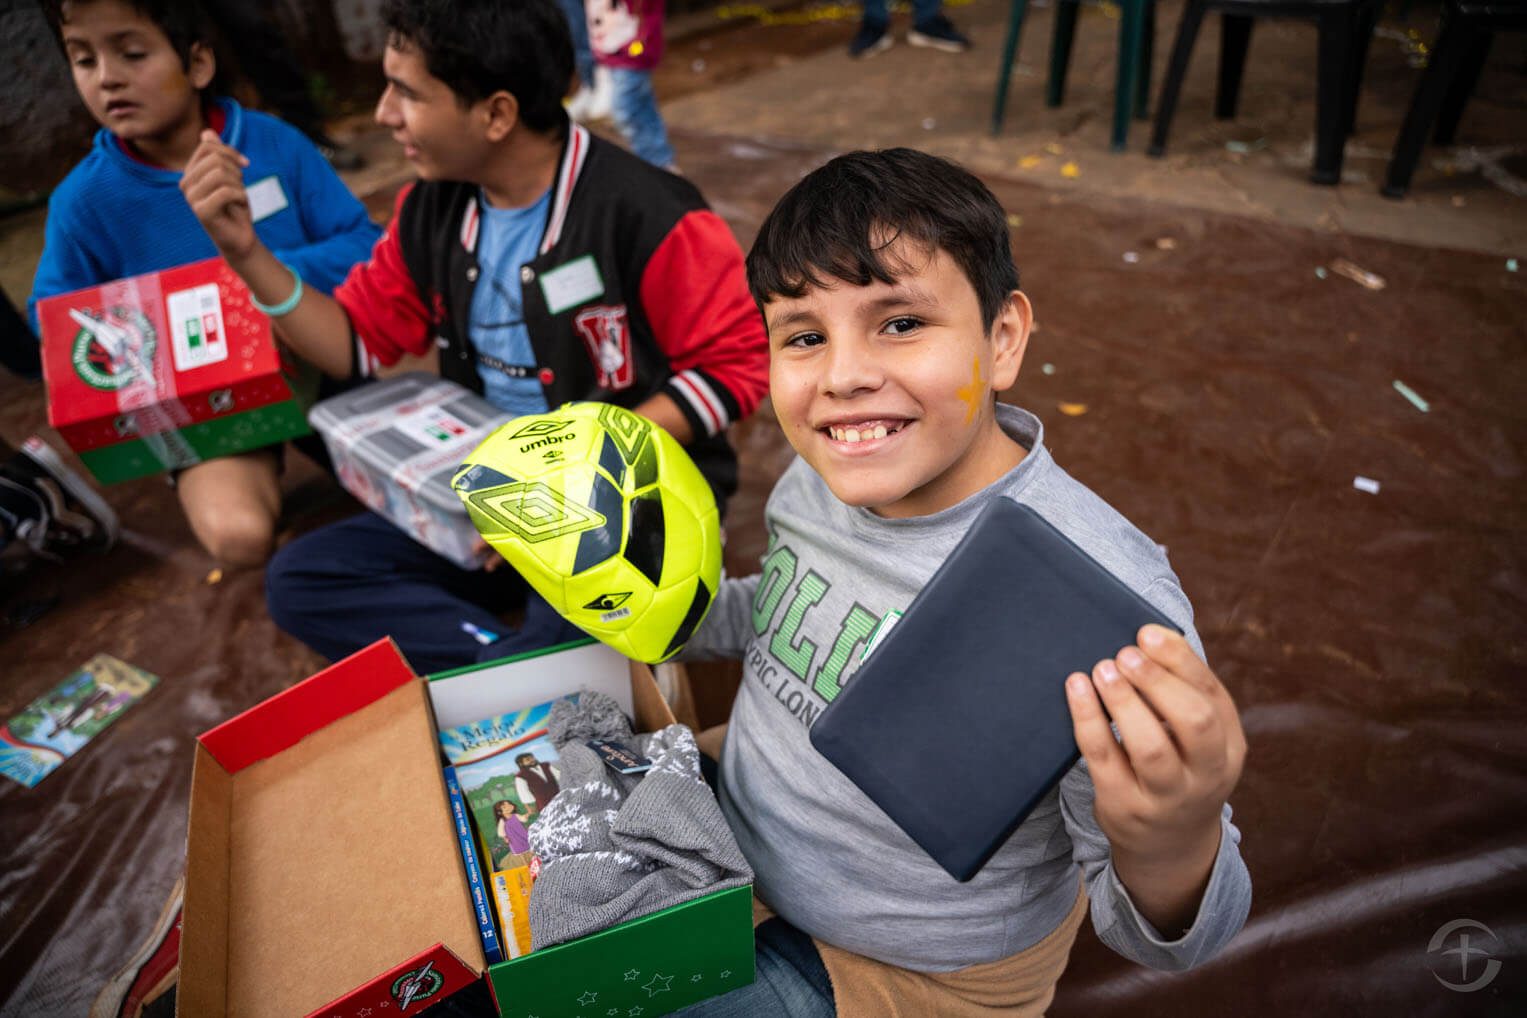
(165, 370)
(396, 443)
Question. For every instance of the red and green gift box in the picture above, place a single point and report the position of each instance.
(166, 370)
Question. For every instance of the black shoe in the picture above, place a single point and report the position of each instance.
(938, 33)
(870, 39)
(62, 512)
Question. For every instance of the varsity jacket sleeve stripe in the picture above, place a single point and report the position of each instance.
(384, 306)
(694, 294)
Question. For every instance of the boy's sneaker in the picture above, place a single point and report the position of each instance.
(579, 104)
(870, 39)
(70, 515)
(938, 33)
(601, 104)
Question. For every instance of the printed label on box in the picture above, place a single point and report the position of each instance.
(196, 327)
(434, 427)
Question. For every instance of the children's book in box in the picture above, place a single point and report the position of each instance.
(165, 370)
(325, 873)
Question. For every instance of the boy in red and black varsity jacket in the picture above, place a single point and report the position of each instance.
(544, 264)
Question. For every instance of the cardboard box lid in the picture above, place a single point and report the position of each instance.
(183, 332)
(321, 851)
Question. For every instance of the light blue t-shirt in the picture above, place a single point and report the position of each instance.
(506, 240)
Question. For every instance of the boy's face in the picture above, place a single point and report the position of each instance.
(128, 74)
(885, 390)
(440, 137)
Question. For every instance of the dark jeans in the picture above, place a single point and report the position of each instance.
(345, 586)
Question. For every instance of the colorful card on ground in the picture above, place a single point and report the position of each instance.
(58, 724)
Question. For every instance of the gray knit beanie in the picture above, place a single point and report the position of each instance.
(613, 846)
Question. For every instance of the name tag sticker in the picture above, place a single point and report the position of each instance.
(266, 198)
(881, 631)
(567, 286)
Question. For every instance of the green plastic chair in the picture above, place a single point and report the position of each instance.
(1132, 83)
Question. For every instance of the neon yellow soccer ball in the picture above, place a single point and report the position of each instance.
(606, 516)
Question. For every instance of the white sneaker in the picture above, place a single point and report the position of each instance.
(578, 105)
(602, 96)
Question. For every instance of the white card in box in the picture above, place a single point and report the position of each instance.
(396, 443)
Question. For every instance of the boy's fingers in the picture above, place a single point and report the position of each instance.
(1190, 716)
(1152, 754)
(1089, 724)
(1173, 652)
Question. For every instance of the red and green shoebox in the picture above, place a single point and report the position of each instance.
(162, 371)
(323, 876)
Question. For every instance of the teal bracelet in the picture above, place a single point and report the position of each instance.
(286, 306)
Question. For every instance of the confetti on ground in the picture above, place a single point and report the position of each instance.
(1243, 148)
(1320, 272)
(1411, 394)
(698, 67)
(1131, 256)
(1014, 220)
(1047, 368)
(1071, 171)
(1166, 244)
(1054, 148)
(1367, 484)
(929, 123)
(1359, 275)
(215, 576)
(1072, 409)
(1029, 162)
(1459, 201)
(1510, 264)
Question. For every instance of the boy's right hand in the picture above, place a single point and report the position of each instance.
(213, 183)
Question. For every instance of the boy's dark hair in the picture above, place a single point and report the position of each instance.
(184, 23)
(842, 218)
(478, 47)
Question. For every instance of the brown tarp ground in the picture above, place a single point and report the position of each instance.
(1375, 643)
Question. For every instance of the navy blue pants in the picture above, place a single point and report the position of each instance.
(347, 585)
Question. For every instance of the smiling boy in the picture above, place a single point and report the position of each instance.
(147, 73)
(543, 263)
(894, 318)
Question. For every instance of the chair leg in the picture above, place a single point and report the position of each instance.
(1367, 16)
(1127, 76)
(1463, 86)
(1177, 69)
(1147, 54)
(1333, 95)
(1446, 58)
(1235, 38)
(1060, 50)
(1005, 72)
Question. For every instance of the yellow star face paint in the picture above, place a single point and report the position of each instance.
(974, 393)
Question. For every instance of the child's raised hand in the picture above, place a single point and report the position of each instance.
(213, 183)
(1162, 784)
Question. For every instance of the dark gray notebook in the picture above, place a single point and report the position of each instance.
(956, 725)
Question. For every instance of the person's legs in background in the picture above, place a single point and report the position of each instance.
(581, 105)
(233, 504)
(637, 117)
(874, 34)
(930, 28)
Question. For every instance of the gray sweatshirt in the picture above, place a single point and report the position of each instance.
(825, 857)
